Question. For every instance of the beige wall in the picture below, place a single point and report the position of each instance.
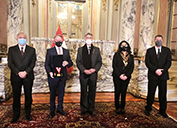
(174, 28)
(163, 19)
(173, 41)
(137, 23)
(3, 23)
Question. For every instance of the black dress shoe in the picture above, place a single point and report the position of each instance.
(62, 112)
(146, 112)
(14, 119)
(122, 111)
(91, 113)
(164, 115)
(118, 111)
(83, 113)
(52, 114)
(29, 118)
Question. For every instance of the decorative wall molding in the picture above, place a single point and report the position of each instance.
(50, 5)
(89, 6)
(104, 5)
(169, 4)
(116, 5)
(33, 3)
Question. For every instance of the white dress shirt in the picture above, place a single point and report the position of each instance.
(88, 48)
(61, 50)
(156, 49)
(24, 47)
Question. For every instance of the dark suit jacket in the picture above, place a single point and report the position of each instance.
(95, 58)
(49, 60)
(152, 63)
(118, 65)
(18, 63)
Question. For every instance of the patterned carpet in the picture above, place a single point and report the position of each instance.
(105, 117)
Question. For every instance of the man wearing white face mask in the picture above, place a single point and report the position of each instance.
(88, 62)
(158, 61)
(21, 61)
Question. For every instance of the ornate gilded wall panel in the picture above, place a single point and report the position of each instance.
(76, 21)
(62, 17)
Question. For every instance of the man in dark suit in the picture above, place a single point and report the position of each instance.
(57, 79)
(21, 61)
(89, 62)
(158, 61)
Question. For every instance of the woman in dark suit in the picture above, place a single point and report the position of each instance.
(123, 65)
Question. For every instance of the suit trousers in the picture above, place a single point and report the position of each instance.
(162, 92)
(54, 85)
(88, 92)
(16, 86)
(120, 88)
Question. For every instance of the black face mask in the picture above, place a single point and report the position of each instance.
(124, 48)
(158, 43)
(59, 43)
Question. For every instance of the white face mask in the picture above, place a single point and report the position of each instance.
(88, 41)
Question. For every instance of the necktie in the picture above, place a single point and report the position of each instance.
(158, 54)
(59, 51)
(89, 49)
(22, 53)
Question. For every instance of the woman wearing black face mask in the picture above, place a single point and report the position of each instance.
(123, 65)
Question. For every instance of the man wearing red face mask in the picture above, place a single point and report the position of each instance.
(57, 58)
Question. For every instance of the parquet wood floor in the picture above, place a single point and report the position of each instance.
(100, 97)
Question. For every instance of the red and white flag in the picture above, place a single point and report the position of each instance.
(69, 70)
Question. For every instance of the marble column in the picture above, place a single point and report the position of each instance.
(147, 25)
(127, 24)
(14, 20)
(5, 85)
(40, 45)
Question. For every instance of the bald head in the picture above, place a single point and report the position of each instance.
(21, 34)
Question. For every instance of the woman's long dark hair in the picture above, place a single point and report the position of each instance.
(119, 48)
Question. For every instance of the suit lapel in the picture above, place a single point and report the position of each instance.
(154, 53)
(55, 51)
(64, 54)
(162, 53)
(26, 51)
(93, 54)
(18, 51)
